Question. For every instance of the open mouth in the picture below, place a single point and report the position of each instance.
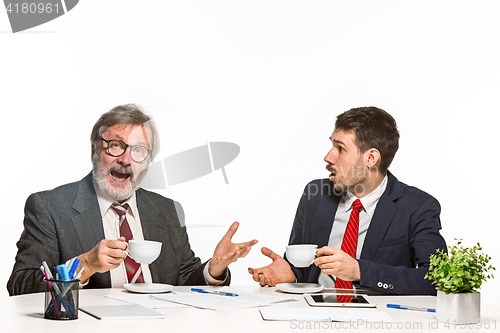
(120, 177)
(332, 174)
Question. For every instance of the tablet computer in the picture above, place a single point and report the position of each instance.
(347, 300)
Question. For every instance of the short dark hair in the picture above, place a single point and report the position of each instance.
(125, 114)
(374, 128)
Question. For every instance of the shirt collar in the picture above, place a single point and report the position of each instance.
(105, 201)
(369, 201)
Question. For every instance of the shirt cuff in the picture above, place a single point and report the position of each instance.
(210, 280)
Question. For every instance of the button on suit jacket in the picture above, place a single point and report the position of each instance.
(65, 222)
(403, 233)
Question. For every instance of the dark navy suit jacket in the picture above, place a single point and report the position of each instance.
(403, 233)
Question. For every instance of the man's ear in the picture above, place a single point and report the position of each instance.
(94, 150)
(373, 158)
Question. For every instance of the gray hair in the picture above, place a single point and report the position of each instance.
(125, 114)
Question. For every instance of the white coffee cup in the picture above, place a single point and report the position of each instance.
(143, 251)
(301, 255)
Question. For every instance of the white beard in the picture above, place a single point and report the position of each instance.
(119, 192)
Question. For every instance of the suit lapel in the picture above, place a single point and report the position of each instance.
(88, 221)
(155, 227)
(326, 215)
(148, 213)
(382, 218)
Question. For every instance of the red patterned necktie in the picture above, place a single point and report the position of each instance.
(134, 271)
(350, 243)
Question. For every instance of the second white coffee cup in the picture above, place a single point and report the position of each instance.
(301, 255)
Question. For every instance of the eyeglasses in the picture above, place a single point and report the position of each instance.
(117, 148)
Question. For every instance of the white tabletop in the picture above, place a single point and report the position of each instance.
(25, 314)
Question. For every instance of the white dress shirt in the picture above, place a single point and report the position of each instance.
(342, 215)
(111, 225)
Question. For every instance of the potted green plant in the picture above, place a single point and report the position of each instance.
(458, 275)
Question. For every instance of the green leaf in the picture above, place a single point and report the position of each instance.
(463, 269)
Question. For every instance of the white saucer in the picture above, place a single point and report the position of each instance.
(300, 288)
(148, 288)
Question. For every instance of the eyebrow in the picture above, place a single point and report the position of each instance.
(338, 142)
(140, 143)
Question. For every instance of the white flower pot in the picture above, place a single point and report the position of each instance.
(462, 308)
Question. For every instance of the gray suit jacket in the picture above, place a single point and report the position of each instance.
(65, 222)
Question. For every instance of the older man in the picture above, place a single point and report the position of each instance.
(374, 231)
(92, 219)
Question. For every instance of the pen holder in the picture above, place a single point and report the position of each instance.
(61, 299)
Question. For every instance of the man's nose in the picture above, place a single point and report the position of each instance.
(330, 158)
(125, 158)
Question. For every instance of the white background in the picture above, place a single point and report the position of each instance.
(270, 76)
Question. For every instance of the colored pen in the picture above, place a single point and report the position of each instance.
(79, 273)
(72, 270)
(70, 263)
(50, 276)
(71, 277)
(53, 303)
(214, 292)
(70, 307)
(59, 274)
(64, 271)
(47, 270)
(404, 307)
(54, 293)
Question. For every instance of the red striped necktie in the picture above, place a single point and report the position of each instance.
(350, 241)
(134, 271)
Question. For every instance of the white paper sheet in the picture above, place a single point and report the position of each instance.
(322, 314)
(145, 300)
(218, 302)
(122, 312)
(261, 297)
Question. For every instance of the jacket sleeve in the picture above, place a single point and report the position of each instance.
(399, 268)
(296, 237)
(38, 243)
